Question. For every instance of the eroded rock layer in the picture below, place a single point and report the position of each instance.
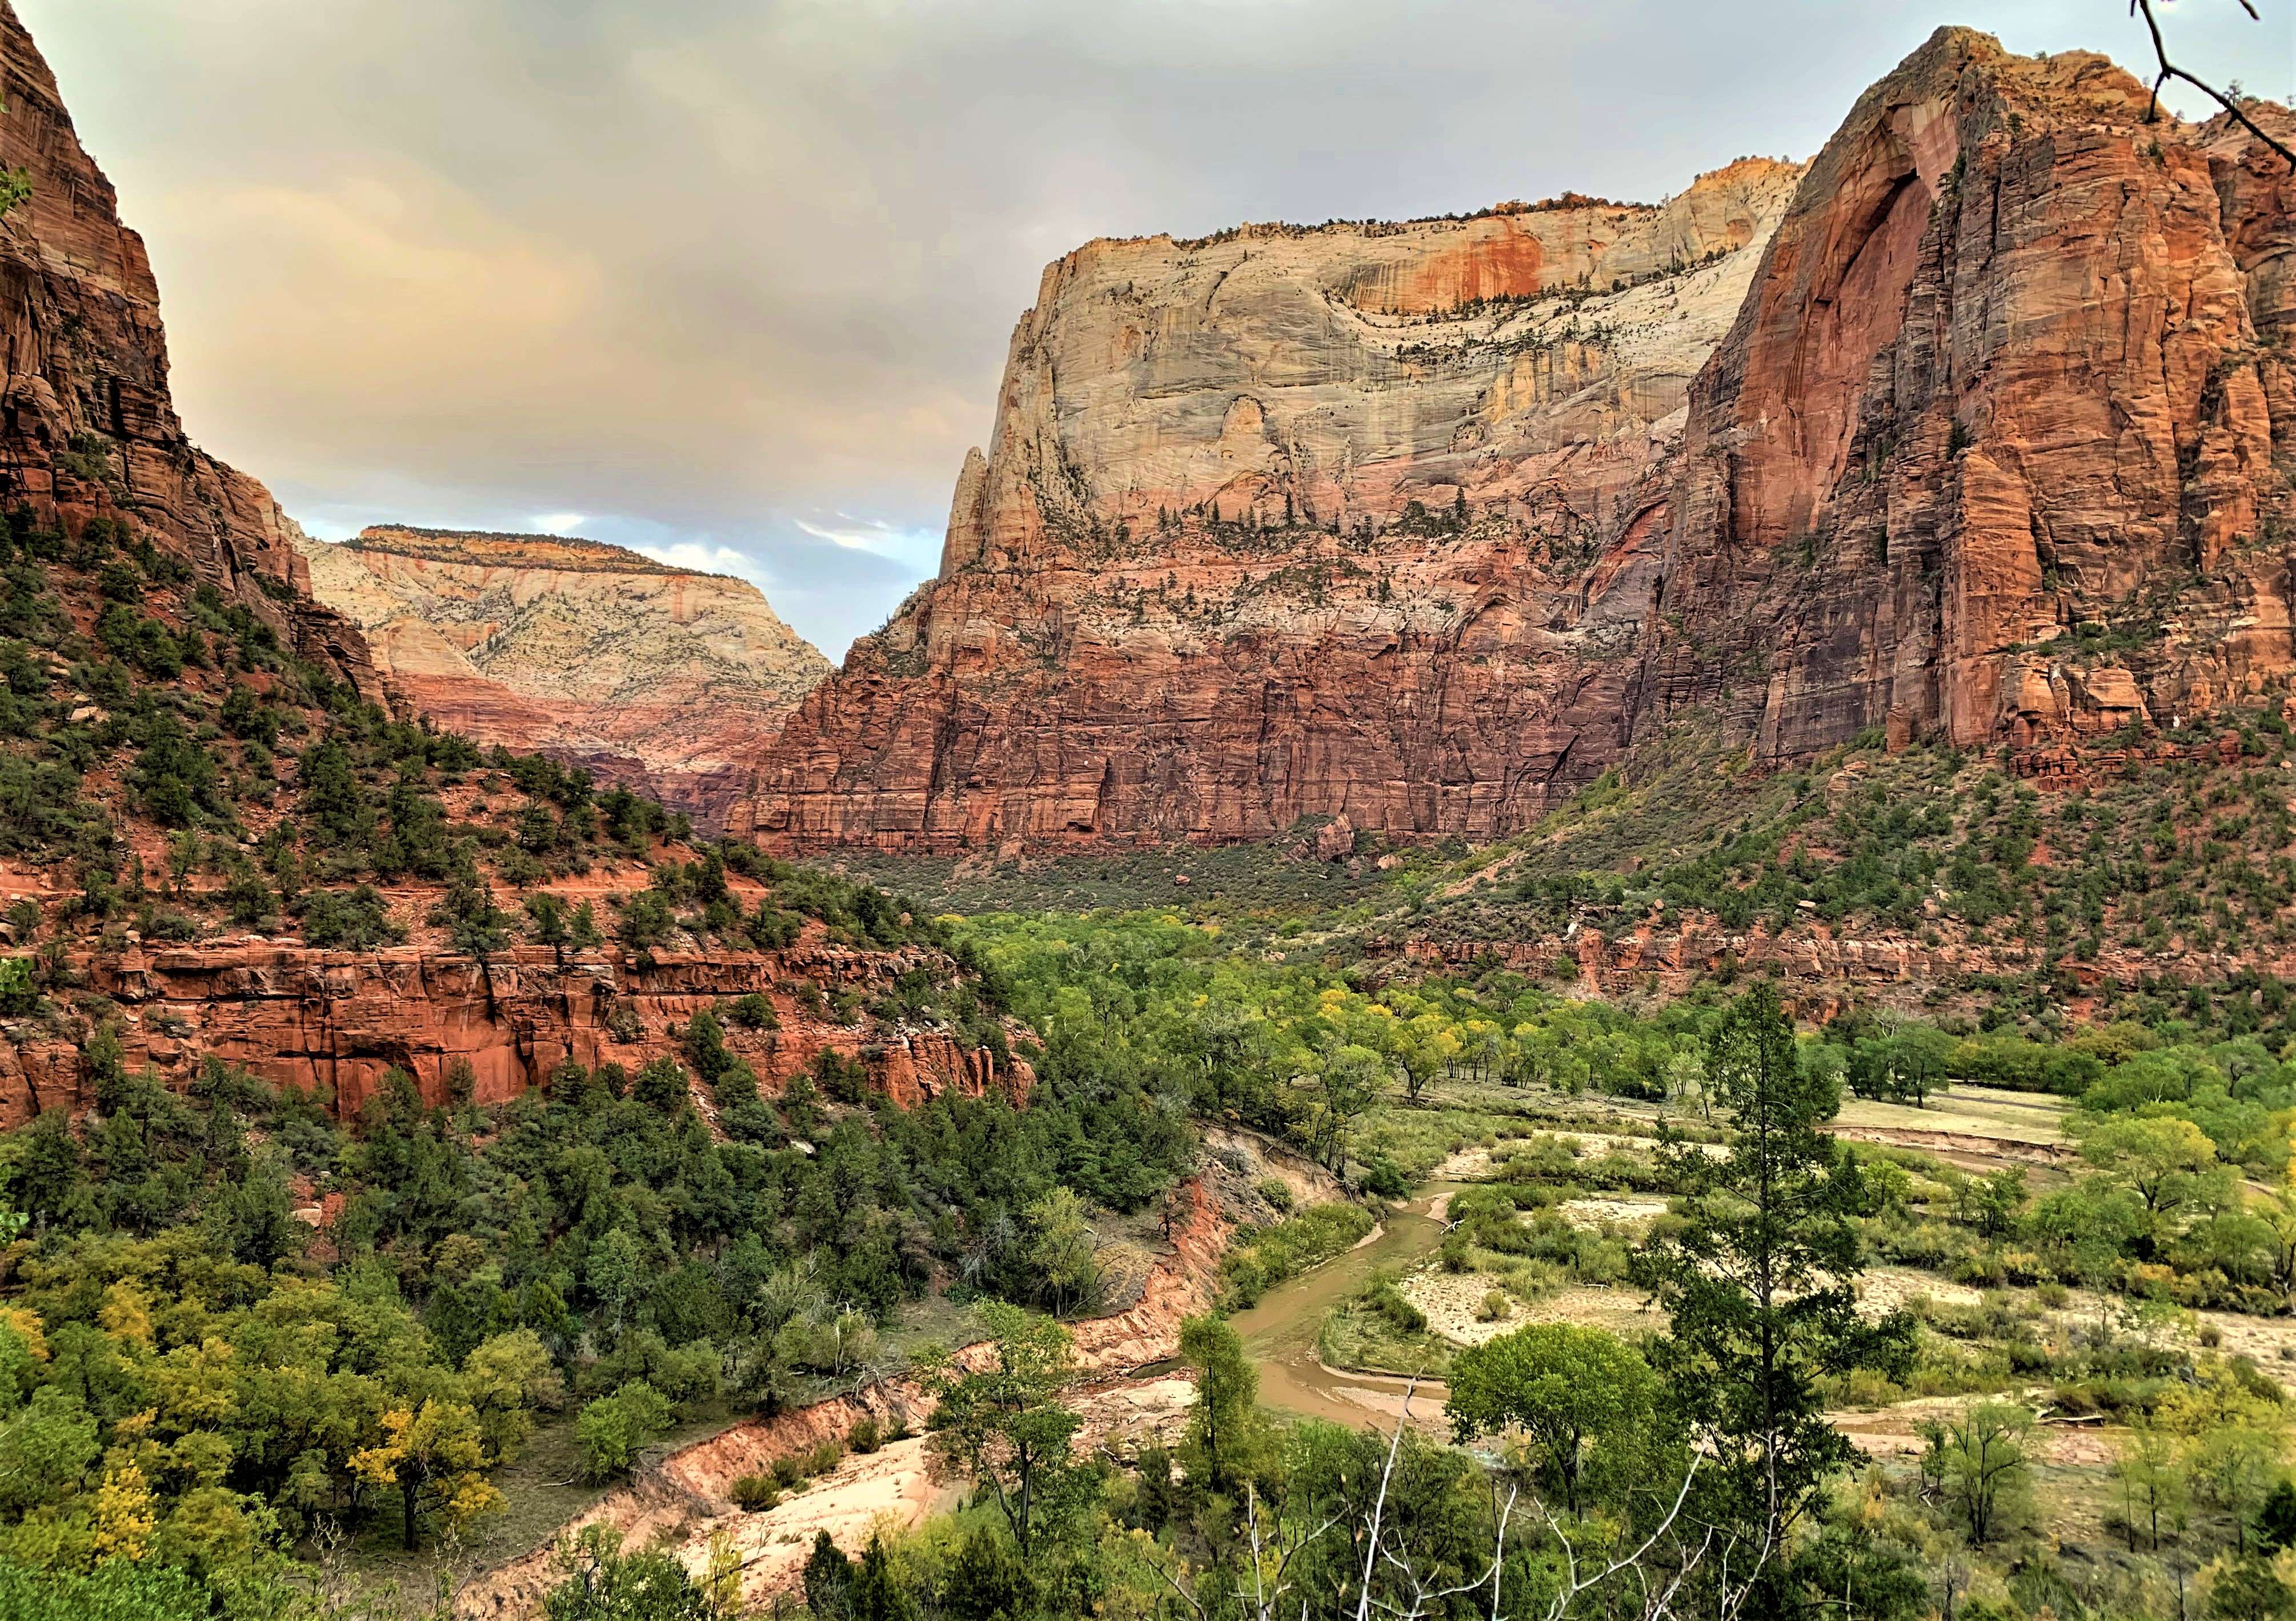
(659, 678)
(1359, 520)
(1422, 525)
(87, 426)
(335, 1023)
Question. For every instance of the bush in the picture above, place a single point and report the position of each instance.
(1277, 1192)
(356, 919)
(1385, 1179)
(1382, 1297)
(755, 1493)
(613, 1430)
(863, 1437)
(754, 1012)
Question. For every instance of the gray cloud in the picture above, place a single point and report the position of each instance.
(732, 279)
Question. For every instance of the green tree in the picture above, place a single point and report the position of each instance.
(1567, 1388)
(828, 1580)
(1222, 1441)
(2168, 1164)
(613, 1430)
(1003, 1426)
(1757, 1279)
(1977, 1460)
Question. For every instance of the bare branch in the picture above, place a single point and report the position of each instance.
(1379, 1504)
(2169, 71)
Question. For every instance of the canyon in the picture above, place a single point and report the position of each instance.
(658, 678)
(1972, 430)
(642, 673)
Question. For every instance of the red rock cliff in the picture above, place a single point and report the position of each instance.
(334, 1022)
(87, 428)
(1989, 453)
(1980, 446)
(1356, 519)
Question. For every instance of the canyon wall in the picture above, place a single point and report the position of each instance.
(87, 426)
(334, 1023)
(1995, 452)
(658, 678)
(1965, 431)
(1357, 521)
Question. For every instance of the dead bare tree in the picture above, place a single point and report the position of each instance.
(2169, 71)
(1661, 1565)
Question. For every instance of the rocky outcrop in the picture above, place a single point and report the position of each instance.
(1354, 520)
(659, 678)
(1422, 525)
(87, 426)
(1989, 454)
(333, 1023)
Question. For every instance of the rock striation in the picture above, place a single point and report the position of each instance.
(1354, 521)
(1966, 431)
(658, 678)
(87, 426)
(335, 1023)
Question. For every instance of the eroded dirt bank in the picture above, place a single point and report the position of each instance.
(682, 1499)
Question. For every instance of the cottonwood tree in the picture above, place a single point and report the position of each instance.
(1003, 1426)
(1567, 1388)
(1978, 1461)
(1223, 1425)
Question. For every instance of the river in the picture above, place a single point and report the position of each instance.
(1279, 1333)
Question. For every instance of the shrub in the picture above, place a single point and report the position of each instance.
(357, 920)
(1382, 1297)
(613, 1430)
(863, 1437)
(755, 1493)
(1385, 1179)
(1277, 1192)
(754, 1012)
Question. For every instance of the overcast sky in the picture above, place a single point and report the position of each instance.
(732, 280)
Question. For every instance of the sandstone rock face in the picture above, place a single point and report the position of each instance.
(334, 1023)
(1990, 453)
(1984, 443)
(1356, 520)
(658, 678)
(87, 428)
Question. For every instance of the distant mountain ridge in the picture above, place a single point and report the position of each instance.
(526, 551)
(660, 678)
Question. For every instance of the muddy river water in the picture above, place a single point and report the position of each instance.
(1280, 1332)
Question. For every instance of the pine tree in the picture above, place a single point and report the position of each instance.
(1757, 1280)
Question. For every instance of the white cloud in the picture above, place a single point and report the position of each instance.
(707, 557)
(854, 534)
(557, 523)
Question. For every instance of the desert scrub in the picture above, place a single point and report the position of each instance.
(1288, 1247)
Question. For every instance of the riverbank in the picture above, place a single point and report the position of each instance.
(684, 1499)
